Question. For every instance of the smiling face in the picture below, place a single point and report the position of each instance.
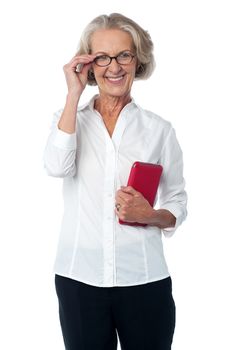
(115, 79)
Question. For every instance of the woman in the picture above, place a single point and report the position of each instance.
(111, 278)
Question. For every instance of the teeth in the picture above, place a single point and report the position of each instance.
(115, 79)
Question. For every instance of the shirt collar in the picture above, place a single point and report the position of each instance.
(90, 105)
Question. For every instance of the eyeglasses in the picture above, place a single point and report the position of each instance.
(124, 57)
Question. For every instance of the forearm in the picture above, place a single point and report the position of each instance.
(67, 122)
(161, 218)
(60, 150)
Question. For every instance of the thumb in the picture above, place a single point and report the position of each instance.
(86, 67)
(83, 75)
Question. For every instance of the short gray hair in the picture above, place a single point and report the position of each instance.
(141, 39)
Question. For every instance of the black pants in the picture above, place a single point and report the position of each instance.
(143, 315)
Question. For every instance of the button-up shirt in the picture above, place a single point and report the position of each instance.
(93, 247)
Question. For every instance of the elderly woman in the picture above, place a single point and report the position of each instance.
(111, 278)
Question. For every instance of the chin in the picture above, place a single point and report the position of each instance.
(115, 88)
(116, 91)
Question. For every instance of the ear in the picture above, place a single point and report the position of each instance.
(91, 70)
(140, 68)
(91, 75)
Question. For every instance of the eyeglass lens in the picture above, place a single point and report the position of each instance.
(122, 58)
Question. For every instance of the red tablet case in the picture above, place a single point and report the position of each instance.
(144, 178)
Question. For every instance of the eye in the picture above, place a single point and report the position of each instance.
(125, 55)
(102, 58)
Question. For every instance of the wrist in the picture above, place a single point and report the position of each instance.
(152, 217)
(72, 98)
(161, 218)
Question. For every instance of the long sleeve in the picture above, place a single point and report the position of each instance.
(172, 195)
(60, 151)
(93, 247)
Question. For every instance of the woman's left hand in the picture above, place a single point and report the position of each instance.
(131, 206)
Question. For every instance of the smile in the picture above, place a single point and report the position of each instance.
(115, 79)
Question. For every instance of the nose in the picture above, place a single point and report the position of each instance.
(114, 66)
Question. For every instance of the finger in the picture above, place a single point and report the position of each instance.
(87, 58)
(80, 60)
(78, 66)
(118, 207)
(85, 67)
(117, 212)
(123, 216)
(130, 190)
(120, 201)
(124, 197)
(85, 55)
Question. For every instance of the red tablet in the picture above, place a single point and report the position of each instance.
(144, 178)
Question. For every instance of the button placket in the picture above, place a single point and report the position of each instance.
(108, 224)
(112, 147)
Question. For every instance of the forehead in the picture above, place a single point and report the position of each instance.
(111, 41)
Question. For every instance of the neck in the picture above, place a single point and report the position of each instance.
(111, 105)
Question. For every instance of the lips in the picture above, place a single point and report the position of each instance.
(115, 79)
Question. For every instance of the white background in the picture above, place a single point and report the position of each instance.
(191, 87)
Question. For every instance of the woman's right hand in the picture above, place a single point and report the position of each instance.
(76, 81)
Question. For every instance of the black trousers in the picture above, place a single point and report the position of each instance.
(143, 315)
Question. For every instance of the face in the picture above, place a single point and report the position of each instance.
(115, 79)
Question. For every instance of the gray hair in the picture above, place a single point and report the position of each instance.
(141, 39)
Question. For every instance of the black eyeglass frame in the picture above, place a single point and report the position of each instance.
(114, 57)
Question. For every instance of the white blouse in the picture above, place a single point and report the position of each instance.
(93, 247)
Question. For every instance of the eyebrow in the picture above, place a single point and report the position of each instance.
(105, 53)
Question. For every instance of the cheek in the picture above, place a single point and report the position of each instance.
(133, 71)
(99, 73)
(132, 74)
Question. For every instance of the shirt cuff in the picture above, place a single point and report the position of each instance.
(169, 231)
(64, 140)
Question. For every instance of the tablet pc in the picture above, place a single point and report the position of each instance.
(144, 178)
